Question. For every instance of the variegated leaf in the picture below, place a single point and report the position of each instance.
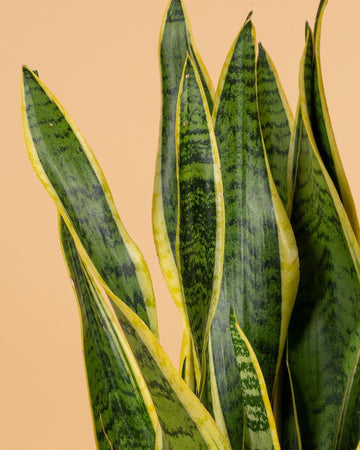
(324, 334)
(200, 229)
(70, 173)
(260, 272)
(123, 412)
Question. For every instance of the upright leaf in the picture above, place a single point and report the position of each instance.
(276, 121)
(200, 229)
(297, 135)
(182, 421)
(323, 131)
(176, 42)
(324, 334)
(259, 424)
(123, 412)
(70, 173)
(260, 262)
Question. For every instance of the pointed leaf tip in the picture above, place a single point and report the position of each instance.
(262, 53)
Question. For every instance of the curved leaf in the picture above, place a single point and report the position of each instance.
(184, 421)
(259, 424)
(260, 263)
(177, 415)
(200, 228)
(324, 334)
(323, 131)
(123, 412)
(70, 173)
(176, 42)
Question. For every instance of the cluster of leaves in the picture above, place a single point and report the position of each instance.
(244, 194)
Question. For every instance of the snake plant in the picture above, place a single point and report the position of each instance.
(257, 238)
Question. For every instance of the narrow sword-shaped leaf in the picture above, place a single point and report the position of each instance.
(176, 42)
(323, 131)
(276, 120)
(297, 135)
(200, 229)
(260, 263)
(123, 412)
(288, 426)
(324, 334)
(259, 424)
(184, 421)
(70, 173)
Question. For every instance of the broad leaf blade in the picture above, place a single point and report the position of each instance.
(200, 229)
(276, 121)
(122, 409)
(176, 42)
(70, 173)
(324, 335)
(260, 261)
(323, 131)
(259, 424)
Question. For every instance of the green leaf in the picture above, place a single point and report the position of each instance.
(70, 173)
(287, 420)
(123, 412)
(184, 421)
(259, 424)
(276, 120)
(176, 42)
(324, 334)
(297, 135)
(114, 375)
(323, 131)
(200, 228)
(260, 271)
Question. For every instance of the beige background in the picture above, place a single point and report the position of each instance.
(100, 59)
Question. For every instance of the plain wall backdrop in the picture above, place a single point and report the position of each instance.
(101, 61)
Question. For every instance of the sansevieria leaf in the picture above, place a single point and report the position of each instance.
(183, 421)
(323, 131)
(70, 173)
(177, 415)
(176, 42)
(123, 412)
(200, 229)
(260, 271)
(324, 334)
(259, 425)
(297, 135)
(276, 120)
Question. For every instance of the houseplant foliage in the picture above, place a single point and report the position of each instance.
(244, 195)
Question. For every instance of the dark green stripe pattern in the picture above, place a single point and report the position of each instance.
(175, 45)
(323, 132)
(120, 415)
(324, 333)
(197, 206)
(274, 121)
(251, 281)
(318, 122)
(180, 431)
(257, 434)
(76, 184)
(294, 151)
